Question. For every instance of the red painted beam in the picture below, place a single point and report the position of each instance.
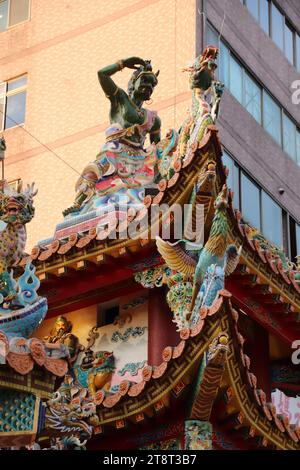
(162, 331)
(251, 306)
(92, 299)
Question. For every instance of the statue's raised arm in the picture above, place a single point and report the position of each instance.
(104, 75)
(127, 108)
(123, 164)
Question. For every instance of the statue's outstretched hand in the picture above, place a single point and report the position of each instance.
(133, 62)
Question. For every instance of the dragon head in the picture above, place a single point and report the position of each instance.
(221, 201)
(203, 69)
(16, 205)
(102, 358)
(69, 422)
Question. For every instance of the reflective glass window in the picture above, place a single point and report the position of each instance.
(289, 137)
(253, 7)
(250, 201)
(272, 117)
(264, 15)
(271, 219)
(252, 97)
(3, 15)
(277, 26)
(289, 43)
(236, 84)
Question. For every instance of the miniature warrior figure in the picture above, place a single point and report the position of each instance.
(123, 163)
(202, 113)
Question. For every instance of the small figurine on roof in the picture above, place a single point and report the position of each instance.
(203, 112)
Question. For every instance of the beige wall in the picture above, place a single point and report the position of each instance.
(61, 48)
(127, 349)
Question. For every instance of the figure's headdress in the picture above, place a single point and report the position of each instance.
(143, 70)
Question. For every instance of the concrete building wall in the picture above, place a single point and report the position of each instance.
(239, 132)
(61, 48)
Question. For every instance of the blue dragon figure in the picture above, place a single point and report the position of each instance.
(27, 310)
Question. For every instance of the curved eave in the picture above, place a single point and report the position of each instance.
(150, 396)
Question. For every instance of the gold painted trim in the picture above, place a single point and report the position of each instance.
(197, 351)
(248, 408)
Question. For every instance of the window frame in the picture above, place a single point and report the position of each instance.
(266, 93)
(15, 183)
(103, 308)
(8, 26)
(246, 175)
(262, 192)
(286, 230)
(247, 75)
(9, 93)
(286, 23)
(7, 17)
(271, 26)
(269, 17)
(286, 116)
(288, 26)
(263, 91)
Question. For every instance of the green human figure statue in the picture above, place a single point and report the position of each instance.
(123, 165)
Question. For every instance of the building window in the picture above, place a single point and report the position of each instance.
(250, 201)
(211, 36)
(224, 60)
(289, 137)
(264, 15)
(277, 26)
(259, 9)
(236, 83)
(260, 210)
(252, 98)
(13, 102)
(3, 15)
(15, 183)
(271, 219)
(256, 100)
(13, 12)
(272, 117)
(289, 44)
(253, 7)
(284, 35)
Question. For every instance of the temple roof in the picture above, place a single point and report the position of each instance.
(86, 248)
(255, 416)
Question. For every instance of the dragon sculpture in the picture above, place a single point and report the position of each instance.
(16, 210)
(216, 251)
(96, 370)
(202, 113)
(70, 413)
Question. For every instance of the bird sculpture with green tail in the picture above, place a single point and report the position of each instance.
(216, 250)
